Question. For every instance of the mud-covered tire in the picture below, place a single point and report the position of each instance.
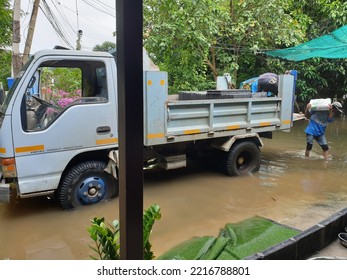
(86, 183)
(243, 158)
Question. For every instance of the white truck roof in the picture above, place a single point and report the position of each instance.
(71, 52)
(148, 64)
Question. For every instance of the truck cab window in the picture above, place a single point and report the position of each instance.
(58, 85)
(102, 82)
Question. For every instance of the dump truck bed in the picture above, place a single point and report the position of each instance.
(176, 119)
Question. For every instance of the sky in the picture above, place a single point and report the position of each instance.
(96, 19)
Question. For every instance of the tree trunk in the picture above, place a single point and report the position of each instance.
(212, 64)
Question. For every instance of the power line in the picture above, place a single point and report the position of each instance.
(66, 25)
(100, 8)
(25, 21)
(62, 14)
(76, 12)
(66, 7)
(54, 22)
(104, 4)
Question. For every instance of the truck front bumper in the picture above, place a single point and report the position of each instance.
(5, 191)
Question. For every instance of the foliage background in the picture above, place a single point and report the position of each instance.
(5, 41)
(197, 40)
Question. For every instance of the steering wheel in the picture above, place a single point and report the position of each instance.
(43, 102)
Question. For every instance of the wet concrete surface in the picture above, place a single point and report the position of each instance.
(334, 251)
(333, 248)
(196, 201)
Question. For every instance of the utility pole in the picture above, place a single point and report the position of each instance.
(16, 59)
(31, 30)
(79, 31)
(79, 37)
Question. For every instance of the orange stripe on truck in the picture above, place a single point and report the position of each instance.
(106, 141)
(265, 124)
(233, 127)
(155, 135)
(28, 149)
(192, 131)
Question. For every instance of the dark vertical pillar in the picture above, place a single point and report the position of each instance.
(130, 107)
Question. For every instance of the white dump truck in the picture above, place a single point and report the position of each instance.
(59, 127)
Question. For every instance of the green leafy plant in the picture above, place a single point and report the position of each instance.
(149, 217)
(106, 236)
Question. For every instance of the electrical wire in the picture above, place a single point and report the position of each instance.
(55, 13)
(54, 22)
(100, 8)
(62, 14)
(25, 21)
(98, 5)
(104, 4)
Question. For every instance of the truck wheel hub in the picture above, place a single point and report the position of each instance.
(91, 190)
(240, 160)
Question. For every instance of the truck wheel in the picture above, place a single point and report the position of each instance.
(243, 158)
(86, 183)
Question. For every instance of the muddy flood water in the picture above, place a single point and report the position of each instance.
(196, 201)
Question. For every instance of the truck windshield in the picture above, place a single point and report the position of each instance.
(9, 95)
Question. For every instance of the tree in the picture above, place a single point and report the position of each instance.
(196, 41)
(178, 35)
(5, 67)
(319, 78)
(5, 40)
(5, 24)
(105, 47)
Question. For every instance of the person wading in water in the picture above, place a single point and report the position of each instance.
(315, 129)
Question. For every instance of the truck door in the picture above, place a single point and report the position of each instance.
(64, 108)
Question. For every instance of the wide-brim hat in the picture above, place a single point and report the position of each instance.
(338, 106)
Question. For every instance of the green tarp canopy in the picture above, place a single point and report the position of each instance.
(333, 45)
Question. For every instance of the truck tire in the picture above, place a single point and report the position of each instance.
(86, 183)
(243, 158)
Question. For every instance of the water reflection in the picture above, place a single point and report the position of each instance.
(196, 201)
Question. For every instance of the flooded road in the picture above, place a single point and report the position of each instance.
(196, 201)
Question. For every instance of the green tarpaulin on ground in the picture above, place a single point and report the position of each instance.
(333, 45)
(234, 242)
